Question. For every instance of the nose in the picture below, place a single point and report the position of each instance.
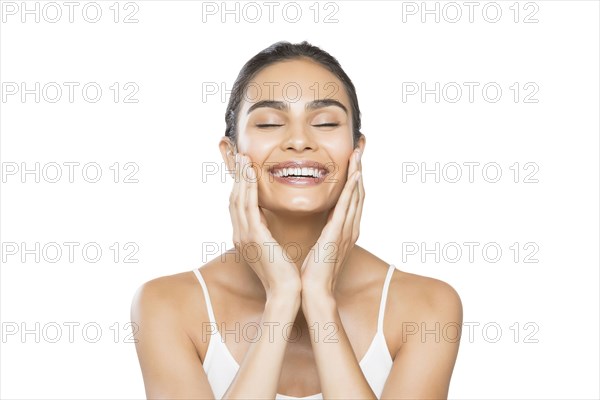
(298, 138)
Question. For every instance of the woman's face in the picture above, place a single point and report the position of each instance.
(297, 111)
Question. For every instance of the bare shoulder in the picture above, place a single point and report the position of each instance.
(163, 292)
(171, 299)
(408, 294)
(177, 301)
(421, 308)
(161, 311)
(420, 297)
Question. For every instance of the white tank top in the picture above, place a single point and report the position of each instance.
(221, 367)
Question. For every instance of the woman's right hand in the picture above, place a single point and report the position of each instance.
(252, 238)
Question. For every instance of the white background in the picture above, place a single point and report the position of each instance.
(171, 134)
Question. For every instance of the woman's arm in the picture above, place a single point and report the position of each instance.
(260, 370)
(170, 365)
(339, 372)
(258, 376)
(429, 344)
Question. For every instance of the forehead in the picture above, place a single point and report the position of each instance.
(298, 80)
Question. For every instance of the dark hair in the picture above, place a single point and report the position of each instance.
(282, 51)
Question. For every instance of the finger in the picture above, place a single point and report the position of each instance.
(337, 206)
(361, 200)
(252, 211)
(234, 190)
(350, 214)
(352, 164)
(341, 208)
(233, 198)
(352, 203)
(241, 199)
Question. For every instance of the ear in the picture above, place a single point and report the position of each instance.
(362, 142)
(228, 153)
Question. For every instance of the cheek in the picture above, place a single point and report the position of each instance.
(254, 146)
(340, 154)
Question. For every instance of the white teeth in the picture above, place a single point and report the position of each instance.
(305, 171)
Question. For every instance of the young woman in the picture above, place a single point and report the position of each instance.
(296, 309)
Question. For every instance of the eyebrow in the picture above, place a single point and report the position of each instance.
(320, 103)
(283, 106)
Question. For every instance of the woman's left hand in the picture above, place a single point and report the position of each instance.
(328, 255)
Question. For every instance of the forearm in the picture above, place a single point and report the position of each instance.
(259, 373)
(339, 372)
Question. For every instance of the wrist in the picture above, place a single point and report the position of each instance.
(289, 298)
(313, 291)
(319, 299)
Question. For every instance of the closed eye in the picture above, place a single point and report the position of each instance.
(327, 125)
(267, 125)
(330, 124)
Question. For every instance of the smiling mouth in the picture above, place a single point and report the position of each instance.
(304, 172)
(299, 169)
(299, 173)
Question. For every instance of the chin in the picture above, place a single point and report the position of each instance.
(298, 208)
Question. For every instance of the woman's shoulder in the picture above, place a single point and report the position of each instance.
(407, 290)
(181, 294)
(172, 297)
(164, 288)
(174, 307)
(419, 298)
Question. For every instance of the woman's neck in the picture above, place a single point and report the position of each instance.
(296, 234)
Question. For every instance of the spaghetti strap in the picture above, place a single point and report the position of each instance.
(383, 301)
(211, 315)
